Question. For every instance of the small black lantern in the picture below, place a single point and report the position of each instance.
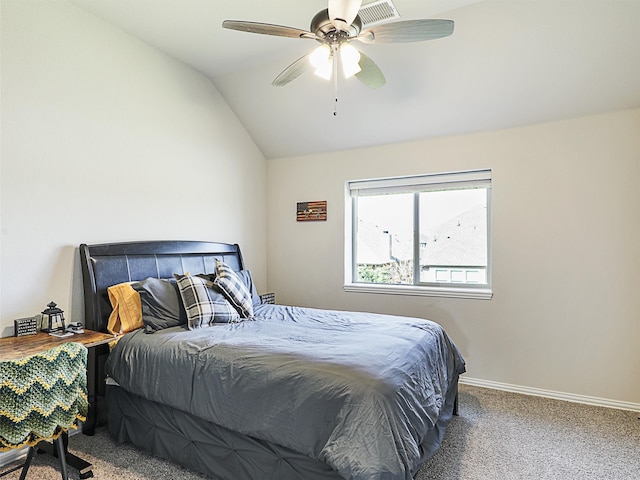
(52, 319)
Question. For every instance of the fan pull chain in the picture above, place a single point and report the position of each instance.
(335, 80)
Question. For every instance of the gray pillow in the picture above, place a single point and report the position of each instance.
(161, 304)
(245, 276)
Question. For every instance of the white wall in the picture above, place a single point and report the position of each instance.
(103, 136)
(106, 139)
(565, 315)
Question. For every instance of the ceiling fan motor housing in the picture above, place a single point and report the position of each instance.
(322, 26)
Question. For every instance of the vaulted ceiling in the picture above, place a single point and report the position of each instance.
(508, 63)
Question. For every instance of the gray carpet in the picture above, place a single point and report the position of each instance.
(498, 435)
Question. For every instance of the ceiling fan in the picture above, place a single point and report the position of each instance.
(335, 28)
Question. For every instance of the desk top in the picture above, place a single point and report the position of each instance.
(18, 347)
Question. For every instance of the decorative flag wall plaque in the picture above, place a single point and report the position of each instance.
(311, 211)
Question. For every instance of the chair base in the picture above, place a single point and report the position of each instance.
(84, 468)
(58, 449)
(25, 468)
(11, 470)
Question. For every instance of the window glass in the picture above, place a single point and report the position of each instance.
(384, 239)
(453, 236)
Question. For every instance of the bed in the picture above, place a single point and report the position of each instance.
(288, 393)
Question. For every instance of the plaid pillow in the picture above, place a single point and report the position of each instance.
(234, 289)
(204, 305)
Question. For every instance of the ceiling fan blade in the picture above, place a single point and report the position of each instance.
(267, 29)
(342, 13)
(293, 71)
(407, 31)
(370, 74)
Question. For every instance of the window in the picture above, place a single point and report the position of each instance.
(425, 235)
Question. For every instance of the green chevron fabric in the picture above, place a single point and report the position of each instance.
(40, 393)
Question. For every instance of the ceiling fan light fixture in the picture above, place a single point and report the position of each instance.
(350, 59)
(321, 59)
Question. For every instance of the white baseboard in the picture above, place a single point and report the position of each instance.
(538, 392)
(12, 456)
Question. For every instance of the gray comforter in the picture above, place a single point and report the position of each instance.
(362, 392)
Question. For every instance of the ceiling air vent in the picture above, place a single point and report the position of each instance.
(377, 12)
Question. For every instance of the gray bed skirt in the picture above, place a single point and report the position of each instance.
(204, 446)
(214, 450)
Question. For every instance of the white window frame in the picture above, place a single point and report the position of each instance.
(415, 184)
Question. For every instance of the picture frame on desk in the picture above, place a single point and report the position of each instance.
(25, 326)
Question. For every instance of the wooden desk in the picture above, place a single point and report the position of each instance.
(17, 347)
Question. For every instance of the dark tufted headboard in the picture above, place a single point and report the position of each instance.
(109, 264)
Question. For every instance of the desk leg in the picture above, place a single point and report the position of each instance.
(89, 426)
(96, 359)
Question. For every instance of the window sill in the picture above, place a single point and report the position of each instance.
(446, 292)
